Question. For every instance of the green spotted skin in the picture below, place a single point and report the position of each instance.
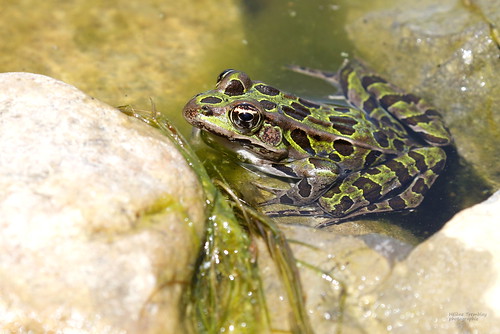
(377, 152)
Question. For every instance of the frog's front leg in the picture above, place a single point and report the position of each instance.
(315, 176)
(395, 185)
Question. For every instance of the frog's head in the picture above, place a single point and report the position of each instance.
(238, 113)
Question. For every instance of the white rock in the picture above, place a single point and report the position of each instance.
(449, 283)
(477, 228)
(100, 216)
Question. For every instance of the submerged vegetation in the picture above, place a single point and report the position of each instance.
(226, 292)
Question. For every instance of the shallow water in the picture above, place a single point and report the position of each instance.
(131, 52)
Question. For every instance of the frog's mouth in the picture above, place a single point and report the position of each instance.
(244, 149)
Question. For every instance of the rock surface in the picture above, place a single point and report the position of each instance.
(101, 218)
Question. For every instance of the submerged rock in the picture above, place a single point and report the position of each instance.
(101, 218)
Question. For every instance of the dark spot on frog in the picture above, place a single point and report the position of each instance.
(267, 90)
(414, 120)
(211, 100)
(293, 113)
(343, 147)
(286, 200)
(388, 100)
(420, 187)
(343, 120)
(344, 125)
(343, 129)
(284, 169)
(398, 144)
(234, 87)
(268, 105)
(299, 108)
(308, 104)
(333, 191)
(371, 158)
(438, 167)
(410, 98)
(397, 203)
(371, 79)
(435, 140)
(373, 171)
(419, 160)
(381, 138)
(400, 170)
(334, 157)
(369, 104)
(300, 137)
(304, 188)
(387, 122)
(319, 122)
(345, 204)
(371, 190)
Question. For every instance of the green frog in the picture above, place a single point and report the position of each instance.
(376, 150)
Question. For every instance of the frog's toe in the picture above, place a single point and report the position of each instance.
(275, 200)
(269, 189)
(329, 222)
(311, 211)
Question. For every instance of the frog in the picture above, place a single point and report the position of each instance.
(373, 149)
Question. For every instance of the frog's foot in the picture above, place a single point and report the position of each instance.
(280, 195)
(306, 211)
(277, 192)
(312, 211)
(396, 185)
(331, 77)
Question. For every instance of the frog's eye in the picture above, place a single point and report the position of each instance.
(246, 117)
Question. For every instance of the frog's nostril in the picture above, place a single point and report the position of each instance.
(205, 110)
